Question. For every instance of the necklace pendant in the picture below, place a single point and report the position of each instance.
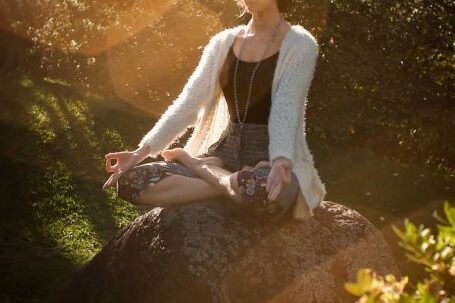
(238, 127)
(238, 133)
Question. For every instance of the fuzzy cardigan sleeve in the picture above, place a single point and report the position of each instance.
(183, 111)
(290, 100)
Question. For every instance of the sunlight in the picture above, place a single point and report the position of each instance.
(40, 123)
(84, 125)
(63, 216)
(148, 69)
(62, 213)
(84, 78)
(144, 44)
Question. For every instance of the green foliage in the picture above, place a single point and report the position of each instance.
(377, 288)
(54, 216)
(435, 253)
(387, 74)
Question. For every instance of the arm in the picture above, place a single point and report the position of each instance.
(291, 97)
(182, 113)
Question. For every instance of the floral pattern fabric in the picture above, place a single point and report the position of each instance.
(134, 181)
(253, 192)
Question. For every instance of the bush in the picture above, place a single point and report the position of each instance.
(435, 253)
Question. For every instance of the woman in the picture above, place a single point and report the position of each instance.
(257, 156)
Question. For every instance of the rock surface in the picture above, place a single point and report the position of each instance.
(213, 252)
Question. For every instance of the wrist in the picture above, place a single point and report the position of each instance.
(280, 160)
(142, 152)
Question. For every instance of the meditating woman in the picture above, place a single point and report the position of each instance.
(246, 100)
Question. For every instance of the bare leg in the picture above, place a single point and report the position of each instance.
(223, 179)
(177, 189)
(164, 193)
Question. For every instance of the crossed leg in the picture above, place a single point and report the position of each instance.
(223, 180)
(190, 189)
(246, 187)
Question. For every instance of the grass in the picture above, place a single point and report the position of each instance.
(54, 215)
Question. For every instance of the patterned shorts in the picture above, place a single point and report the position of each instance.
(236, 151)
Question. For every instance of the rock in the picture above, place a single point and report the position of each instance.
(213, 252)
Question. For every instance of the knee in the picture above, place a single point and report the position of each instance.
(129, 184)
(251, 188)
(138, 180)
(253, 194)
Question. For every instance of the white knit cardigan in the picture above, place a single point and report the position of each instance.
(201, 104)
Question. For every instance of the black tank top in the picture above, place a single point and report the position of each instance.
(260, 102)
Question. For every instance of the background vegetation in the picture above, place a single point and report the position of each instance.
(435, 252)
(76, 73)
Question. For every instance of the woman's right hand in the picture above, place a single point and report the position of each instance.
(124, 161)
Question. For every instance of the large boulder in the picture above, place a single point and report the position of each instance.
(213, 251)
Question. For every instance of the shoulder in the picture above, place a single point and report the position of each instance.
(218, 40)
(229, 30)
(303, 39)
(224, 34)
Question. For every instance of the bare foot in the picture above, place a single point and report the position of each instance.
(181, 155)
(177, 154)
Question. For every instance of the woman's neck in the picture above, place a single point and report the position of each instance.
(263, 23)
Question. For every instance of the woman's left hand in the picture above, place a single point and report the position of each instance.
(279, 176)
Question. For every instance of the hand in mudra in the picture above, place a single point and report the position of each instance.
(279, 176)
(124, 161)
